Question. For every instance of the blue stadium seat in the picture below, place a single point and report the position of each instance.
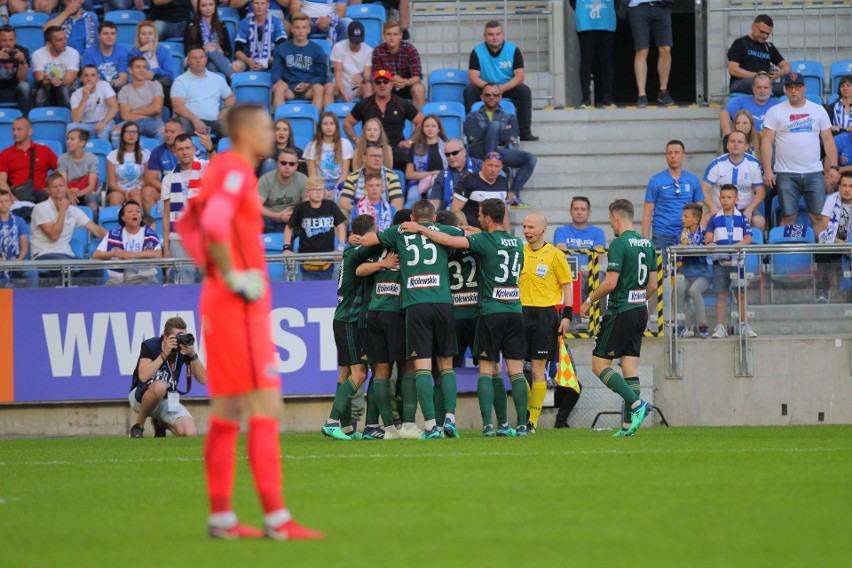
(148, 143)
(447, 85)
(28, 29)
(341, 110)
(8, 115)
(252, 87)
(506, 104)
(802, 217)
(814, 78)
(408, 130)
(792, 269)
(451, 115)
(373, 16)
(303, 118)
(176, 50)
(108, 217)
(326, 48)
(752, 261)
(126, 22)
(273, 243)
(80, 242)
(49, 123)
(224, 144)
(837, 70)
(55, 146)
(98, 146)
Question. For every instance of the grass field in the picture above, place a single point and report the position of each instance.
(668, 497)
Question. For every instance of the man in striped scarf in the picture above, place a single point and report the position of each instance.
(179, 186)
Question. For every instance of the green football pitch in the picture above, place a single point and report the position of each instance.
(667, 497)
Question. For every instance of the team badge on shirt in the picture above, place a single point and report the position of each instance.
(233, 182)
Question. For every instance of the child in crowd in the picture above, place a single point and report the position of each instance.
(14, 242)
(329, 155)
(728, 227)
(693, 272)
(373, 203)
(80, 169)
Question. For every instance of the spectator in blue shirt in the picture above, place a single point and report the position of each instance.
(110, 58)
(596, 33)
(580, 234)
(80, 26)
(299, 67)
(14, 244)
(257, 36)
(693, 272)
(163, 159)
(665, 196)
(757, 104)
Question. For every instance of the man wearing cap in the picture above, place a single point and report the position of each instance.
(352, 63)
(473, 189)
(391, 110)
(792, 131)
(403, 61)
(752, 54)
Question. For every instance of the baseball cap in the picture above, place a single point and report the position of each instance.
(793, 79)
(355, 32)
(382, 74)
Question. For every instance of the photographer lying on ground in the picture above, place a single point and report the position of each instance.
(154, 391)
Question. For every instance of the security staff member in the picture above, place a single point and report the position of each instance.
(545, 282)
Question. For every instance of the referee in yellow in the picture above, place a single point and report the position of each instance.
(545, 282)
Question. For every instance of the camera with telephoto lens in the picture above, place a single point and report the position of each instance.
(12, 52)
(185, 339)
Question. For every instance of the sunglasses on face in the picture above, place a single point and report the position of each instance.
(382, 82)
(490, 95)
(284, 163)
(453, 153)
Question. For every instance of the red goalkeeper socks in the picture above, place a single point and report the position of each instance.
(264, 453)
(220, 460)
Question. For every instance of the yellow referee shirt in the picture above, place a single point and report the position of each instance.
(544, 274)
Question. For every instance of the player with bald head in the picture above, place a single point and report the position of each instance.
(545, 282)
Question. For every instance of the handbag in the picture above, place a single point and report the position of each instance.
(26, 191)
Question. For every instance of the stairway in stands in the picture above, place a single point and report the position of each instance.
(609, 154)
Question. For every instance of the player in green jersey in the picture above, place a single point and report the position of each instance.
(500, 328)
(428, 304)
(351, 357)
(631, 277)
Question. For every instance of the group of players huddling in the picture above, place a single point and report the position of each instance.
(423, 291)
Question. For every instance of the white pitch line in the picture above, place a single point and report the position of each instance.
(330, 456)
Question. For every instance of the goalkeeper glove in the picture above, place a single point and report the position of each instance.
(250, 284)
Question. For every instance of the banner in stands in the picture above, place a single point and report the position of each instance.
(83, 343)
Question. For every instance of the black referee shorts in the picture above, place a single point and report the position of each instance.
(541, 330)
(620, 334)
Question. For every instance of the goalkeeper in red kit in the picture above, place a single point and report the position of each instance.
(221, 230)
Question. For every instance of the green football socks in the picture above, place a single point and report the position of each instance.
(616, 383)
(485, 394)
(438, 400)
(448, 389)
(425, 393)
(380, 390)
(409, 398)
(501, 399)
(520, 396)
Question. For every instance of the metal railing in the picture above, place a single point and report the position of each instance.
(748, 263)
(447, 30)
(817, 30)
(64, 269)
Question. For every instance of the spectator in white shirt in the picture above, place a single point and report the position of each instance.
(353, 64)
(55, 69)
(94, 105)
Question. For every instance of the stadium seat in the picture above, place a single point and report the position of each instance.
(108, 217)
(447, 85)
(273, 243)
(341, 110)
(814, 74)
(126, 22)
(228, 12)
(80, 242)
(802, 217)
(373, 16)
(9, 115)
(408, 130)
(506, 104)
(252, 87)
(752, 261)
(98, 146)
(837, 70)
(230, 18)
(55, 146)
(451, 115)
(303, 118)
(28, 29)
(148, 143)
(224, 144)
(791, 269)
(177, 56)
(49, 123)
